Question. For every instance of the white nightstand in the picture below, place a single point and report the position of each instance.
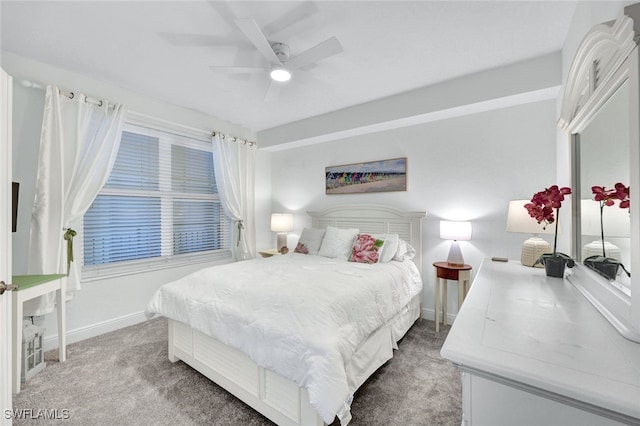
(30, 287)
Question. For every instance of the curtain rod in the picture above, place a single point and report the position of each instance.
(70, 95)
(98, 102)
(87, 99)
(234, 139)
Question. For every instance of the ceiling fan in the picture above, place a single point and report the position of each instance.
(281, 64)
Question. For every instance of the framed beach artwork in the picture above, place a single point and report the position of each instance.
(372, 176)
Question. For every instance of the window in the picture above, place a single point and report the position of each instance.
(159, 207)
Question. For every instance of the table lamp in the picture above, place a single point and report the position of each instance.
(281, 223)
(455, 231)
(615, 221)
(518, 220)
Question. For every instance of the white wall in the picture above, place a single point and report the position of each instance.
(463, 168)
(101, 305)
(264, 238)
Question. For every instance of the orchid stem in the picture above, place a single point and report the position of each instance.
(555, 236)
(602, 228)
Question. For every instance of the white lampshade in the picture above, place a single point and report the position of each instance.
(456, 231)
(459, 231)
(281, 223)
(519, 220)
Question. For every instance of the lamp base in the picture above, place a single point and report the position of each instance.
(282, 240)
(455, 255)
(532, 249)
(594, 248)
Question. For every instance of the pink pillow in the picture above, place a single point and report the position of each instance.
(366, 249)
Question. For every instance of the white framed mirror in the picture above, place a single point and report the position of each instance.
(601, 114)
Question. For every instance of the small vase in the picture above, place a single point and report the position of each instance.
(554, 266)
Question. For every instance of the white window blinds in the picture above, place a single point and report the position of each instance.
(159, 208)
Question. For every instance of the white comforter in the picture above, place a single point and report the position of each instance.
(301, 316)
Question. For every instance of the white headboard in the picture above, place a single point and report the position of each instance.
(375, 219)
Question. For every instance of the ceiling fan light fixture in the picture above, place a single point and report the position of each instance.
(280, 74)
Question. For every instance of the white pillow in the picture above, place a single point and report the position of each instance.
(390, 246)
(337, 243)
(405, 251)
(310, 241)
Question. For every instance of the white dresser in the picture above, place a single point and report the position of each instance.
(533, 351)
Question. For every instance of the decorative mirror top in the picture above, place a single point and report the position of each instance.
(601, 53)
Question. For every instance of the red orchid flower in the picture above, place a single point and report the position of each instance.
(608, 197)
(542, 204)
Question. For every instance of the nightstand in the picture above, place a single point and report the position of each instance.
(444, 272)
(269, 253)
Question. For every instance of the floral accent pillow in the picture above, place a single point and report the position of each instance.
(366, 249)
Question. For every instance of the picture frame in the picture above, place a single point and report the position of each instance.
(367, 177)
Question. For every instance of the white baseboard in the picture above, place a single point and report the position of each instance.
(82, 333)
(430, 315)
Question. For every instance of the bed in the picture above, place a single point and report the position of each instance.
(341, 321)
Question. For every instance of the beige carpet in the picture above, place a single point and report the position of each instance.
(125, 378)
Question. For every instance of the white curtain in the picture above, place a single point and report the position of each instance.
(78, 146)
(234, 163)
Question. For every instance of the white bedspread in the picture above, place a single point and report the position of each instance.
(301, 316)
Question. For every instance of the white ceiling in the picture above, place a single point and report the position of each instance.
(389, 47)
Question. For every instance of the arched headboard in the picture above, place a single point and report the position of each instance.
(376, 219)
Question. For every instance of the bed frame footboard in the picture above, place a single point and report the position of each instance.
(279, 399)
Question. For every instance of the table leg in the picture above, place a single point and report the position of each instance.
(436, 296)
(445, 284)
(60, 308)
(461, 292)
(465, 277)
(17, 341)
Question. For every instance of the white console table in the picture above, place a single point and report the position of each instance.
(533, 351)
(30, 287)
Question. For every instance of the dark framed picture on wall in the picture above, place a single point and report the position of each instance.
(372, 176)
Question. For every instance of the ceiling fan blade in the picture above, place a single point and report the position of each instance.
(317, 53)
(295, 15)
(237, 70)
(250, 29)
(273, 91)
(223, 9)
